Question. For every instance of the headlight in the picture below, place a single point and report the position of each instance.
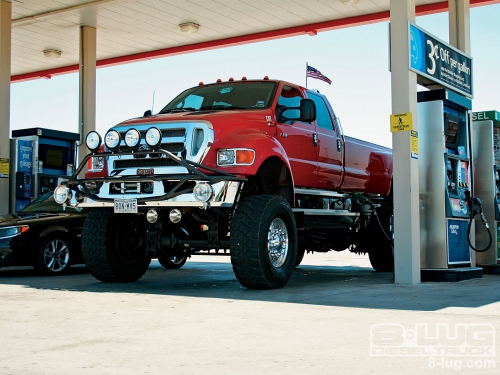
(112, 139)
(153, 137)
(236, 156)
(132, 138)
(203, 192)
(93, 141)
(62, 194)
(13, 231)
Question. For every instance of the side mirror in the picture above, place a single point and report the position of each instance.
(147, 113)
(307, 110)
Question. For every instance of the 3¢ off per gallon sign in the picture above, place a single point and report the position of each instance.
(401, 122)
(439, 62)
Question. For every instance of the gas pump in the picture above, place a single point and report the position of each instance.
(39, 160)
(445, 186)
(486, 147)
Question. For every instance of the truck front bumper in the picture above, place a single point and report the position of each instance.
(224, 195)
(163, 190)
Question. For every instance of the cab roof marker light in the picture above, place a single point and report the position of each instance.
(200, 84)
(231, 79)
(219, 80)
(266, 78)
(243, 78)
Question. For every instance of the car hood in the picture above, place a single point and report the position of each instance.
(28, 218)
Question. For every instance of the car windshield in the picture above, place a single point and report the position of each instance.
(224, 96)
(47, 204)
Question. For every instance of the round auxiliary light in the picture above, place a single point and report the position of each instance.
(93, 141)
(112, 139)
(203, 192)
(132, 138)
(62, 194)
(153, 137)
(175, 215)
(152, 216)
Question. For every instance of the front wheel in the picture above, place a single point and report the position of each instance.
(113, 246)
(263, 242)
(52, 255)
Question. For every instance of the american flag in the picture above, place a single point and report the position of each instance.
(314, 73)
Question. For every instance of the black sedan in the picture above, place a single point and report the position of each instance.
(43, 235)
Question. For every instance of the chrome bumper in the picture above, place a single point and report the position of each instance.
(225, 195)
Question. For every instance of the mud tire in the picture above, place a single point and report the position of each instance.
(112, 246)
(261, 222)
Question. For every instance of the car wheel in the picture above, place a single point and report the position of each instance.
(52, 255)
(263, 242)
(170, 262)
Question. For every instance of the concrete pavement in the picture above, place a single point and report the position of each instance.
(336, 316)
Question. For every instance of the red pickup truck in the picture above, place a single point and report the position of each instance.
(258, 167)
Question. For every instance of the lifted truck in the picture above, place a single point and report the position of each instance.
(259, 167)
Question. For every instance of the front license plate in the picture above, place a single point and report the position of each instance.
(125, 206)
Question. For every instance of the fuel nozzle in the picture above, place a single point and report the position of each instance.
(476, 207)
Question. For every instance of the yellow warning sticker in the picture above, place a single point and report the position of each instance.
(4, 168)
(414, 144)
(401, 122)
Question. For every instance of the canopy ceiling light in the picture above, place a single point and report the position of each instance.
(349, 2)
(52, 53)
(189, 27)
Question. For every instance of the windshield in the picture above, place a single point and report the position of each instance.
(46, 203)
(242, 95)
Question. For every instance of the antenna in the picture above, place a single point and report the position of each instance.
(153, 104)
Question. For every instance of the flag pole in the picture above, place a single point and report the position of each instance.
(307, 64)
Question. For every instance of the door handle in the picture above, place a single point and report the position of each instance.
(339, 144)
(315, 139)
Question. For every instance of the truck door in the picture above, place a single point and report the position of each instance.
(299, 140)
(330, 144)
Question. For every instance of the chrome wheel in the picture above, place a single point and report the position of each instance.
(176, 260)
(56, 255)
(277, 242)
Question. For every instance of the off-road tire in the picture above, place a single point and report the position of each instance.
(301, 251)
(379, 248)
(250, 256)
(112, 246)
(52, 255)
(169, 263)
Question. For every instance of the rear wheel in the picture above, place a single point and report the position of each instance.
(263, 242)
(301, 250)
(170, 262)
(52, 255)
(379, 247)
(113, 246)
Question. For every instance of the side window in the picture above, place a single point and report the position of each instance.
(290, 97)
(323, 118)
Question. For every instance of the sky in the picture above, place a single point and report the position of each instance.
(355, 59)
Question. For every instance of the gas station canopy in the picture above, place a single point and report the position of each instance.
(45, 34)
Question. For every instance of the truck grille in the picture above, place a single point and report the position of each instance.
(144, 163)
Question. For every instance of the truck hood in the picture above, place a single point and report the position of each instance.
(209, 115)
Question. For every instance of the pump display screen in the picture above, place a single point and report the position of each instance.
(452, 133)
(452, 128)
(54, 157)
